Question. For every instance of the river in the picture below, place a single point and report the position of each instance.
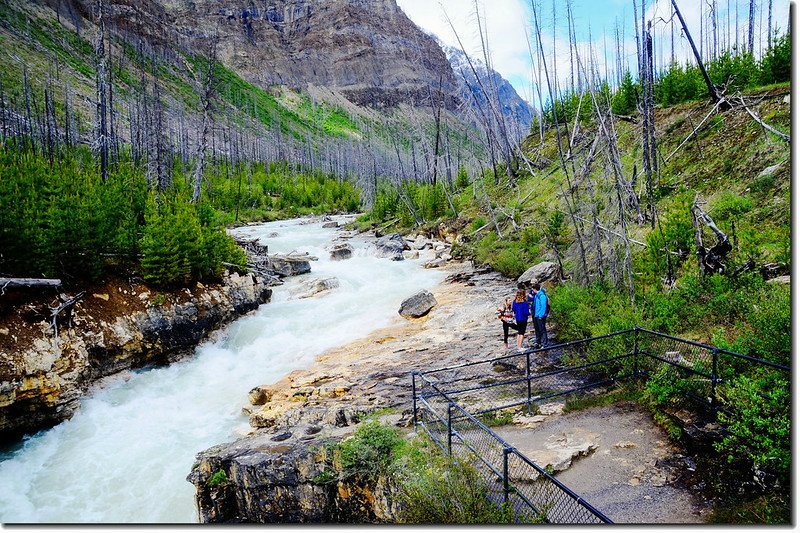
(124, 457)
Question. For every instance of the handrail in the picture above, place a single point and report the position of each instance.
(712, 348)
(437, 387)
(536, 350)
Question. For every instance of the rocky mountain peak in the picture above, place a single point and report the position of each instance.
(516, 110)
(369, 50)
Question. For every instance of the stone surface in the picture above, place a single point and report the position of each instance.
(367, 51)
(418, 305)
(538, 273)
(391, 246)
(279, 479)
(560, 450)
(786, 280)
(769, 171)
(341, 251)
(314, 287)
(291, 264)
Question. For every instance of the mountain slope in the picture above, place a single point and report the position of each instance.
(516, 111)
(369, 50)
(345, 86)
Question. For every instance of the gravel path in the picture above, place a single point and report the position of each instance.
(632, 472)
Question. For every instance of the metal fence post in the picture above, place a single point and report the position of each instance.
(636, 351)
(450, 428)
(414, 396)
(506, 490)
(714, 361)
(528, 378)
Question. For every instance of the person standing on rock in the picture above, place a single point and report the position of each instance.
(521, 314)
(540, 311)
(506, 316)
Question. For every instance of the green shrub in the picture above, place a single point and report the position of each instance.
(370, 450)
(181, 242)
(776, 64)
(511, 261)
(624, 100)
(759, 424)
(436, 489)
(730, 206)
(220, 477)
(478, 223)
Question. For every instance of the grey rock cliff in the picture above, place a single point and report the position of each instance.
(368, 50)
(263, 479)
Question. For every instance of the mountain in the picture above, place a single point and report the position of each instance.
(341, 85)
(517, 111)
(367, 49)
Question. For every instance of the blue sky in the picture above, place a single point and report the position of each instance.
(509, 23)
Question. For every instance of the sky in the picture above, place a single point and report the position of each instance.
(509, 23)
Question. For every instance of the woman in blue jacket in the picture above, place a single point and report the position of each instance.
(521, 314)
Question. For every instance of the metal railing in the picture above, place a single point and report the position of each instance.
(512, 479)
(695, 370)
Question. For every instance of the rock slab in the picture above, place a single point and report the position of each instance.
(391, 247)
(418, 305)
(538, 274)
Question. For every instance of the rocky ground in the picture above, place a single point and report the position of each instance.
(615, 456)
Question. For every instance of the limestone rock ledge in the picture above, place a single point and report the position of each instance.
(42, 382)
(259, 480)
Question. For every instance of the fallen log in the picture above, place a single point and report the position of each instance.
(28, 283)
(782, 136)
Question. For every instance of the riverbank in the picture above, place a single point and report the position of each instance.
(272, 474)
(116, 326)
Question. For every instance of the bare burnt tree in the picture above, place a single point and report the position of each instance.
(207, 82)
(562, 158)
(101, 141)
(712, 90)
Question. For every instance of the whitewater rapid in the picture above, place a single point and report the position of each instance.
(124, 457)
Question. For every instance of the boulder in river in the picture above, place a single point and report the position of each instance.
(418, 305)
(538, 273)
(341, 251)
(291, 264)
(314, 287)
(391, 246)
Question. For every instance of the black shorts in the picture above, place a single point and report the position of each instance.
(522, 326)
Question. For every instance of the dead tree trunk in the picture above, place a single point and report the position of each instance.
(710, 259)
(101, 125)
(712, 91)
(750, 26)
(206, 97)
